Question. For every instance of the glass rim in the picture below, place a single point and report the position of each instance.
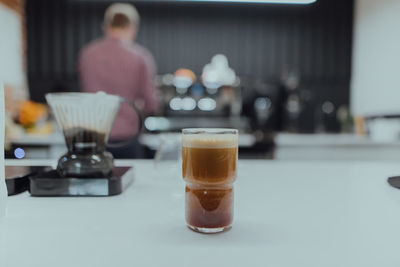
(209, 131)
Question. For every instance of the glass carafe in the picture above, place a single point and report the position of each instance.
(86, 120)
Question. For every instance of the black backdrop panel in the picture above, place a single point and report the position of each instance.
(259, 40)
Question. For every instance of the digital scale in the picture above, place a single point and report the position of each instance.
(43, 181)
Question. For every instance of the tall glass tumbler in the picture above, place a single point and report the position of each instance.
(209, 161)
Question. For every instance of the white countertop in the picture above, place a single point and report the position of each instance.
(326, 139)
(286, 214)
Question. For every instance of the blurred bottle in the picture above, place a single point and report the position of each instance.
(345, 119)
(262, 110)
(327, 118)
(292, 104)
(359, 126)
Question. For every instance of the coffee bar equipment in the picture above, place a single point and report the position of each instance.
(185, 97)
(87, 169)
(86, 120)
(210, 99)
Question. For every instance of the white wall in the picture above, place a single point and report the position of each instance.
(11, 64)
(375, 86)
(3, 192)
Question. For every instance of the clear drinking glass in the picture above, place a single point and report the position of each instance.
(209, 161)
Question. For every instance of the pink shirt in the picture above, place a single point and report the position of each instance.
(127, 70)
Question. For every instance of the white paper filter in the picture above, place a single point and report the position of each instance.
(84, 110)
(3, 190)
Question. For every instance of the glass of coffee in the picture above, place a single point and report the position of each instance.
(209, 160)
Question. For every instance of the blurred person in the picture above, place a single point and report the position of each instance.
(117, 65)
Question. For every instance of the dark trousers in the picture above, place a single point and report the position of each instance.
(131, 150)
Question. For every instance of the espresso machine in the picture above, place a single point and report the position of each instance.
(209, 99)
(87, 169)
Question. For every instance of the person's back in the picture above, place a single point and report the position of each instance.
(115, 65)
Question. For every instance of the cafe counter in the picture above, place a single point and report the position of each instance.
(287, 213)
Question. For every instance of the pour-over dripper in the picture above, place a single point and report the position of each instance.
(86, 120)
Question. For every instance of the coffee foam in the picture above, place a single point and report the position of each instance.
(210, 140)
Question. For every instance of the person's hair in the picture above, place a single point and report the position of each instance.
(121, 15)
(120, 20)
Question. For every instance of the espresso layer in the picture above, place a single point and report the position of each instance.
(209, 208)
